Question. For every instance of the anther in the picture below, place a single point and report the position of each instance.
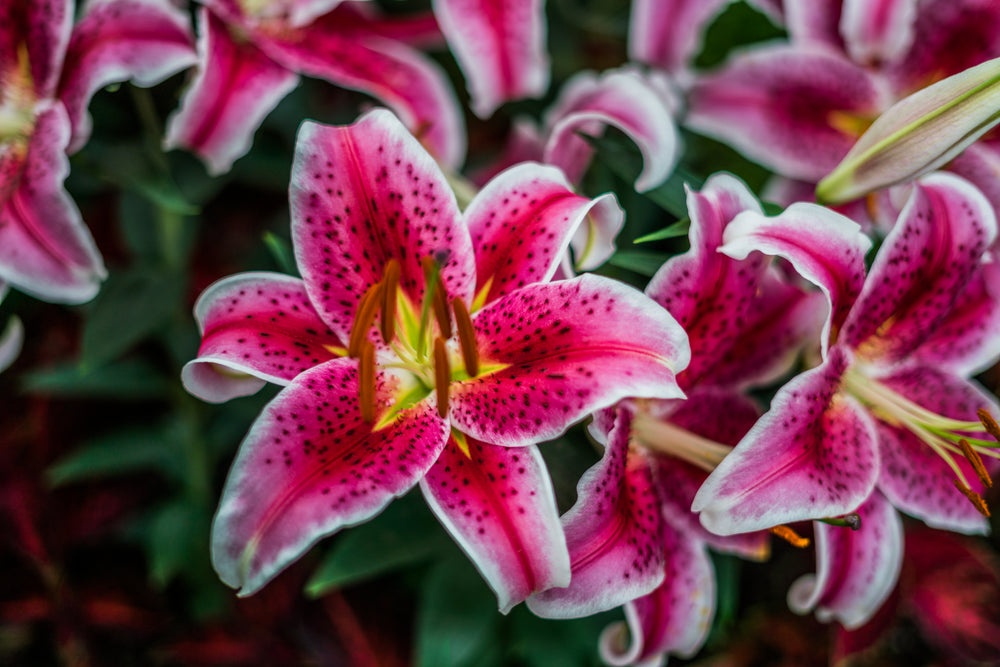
(442, 375)
(391, 285)
(440, 306)
(366, 381)
(974, 498)
(363, 319)
(989, 423)
(466, 337)
(977, 463)
(790, 536)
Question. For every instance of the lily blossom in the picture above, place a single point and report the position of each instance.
(49, 69)
(422, 345)
(251, 55)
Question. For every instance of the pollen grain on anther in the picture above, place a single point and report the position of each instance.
(976, 462)
(363, 318)
(790, 536)
(989, 423)
(974, 498)
(391, 285)
(366, 381)
(466, 337)
(442, 375)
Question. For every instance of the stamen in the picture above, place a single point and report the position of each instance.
(466, 337)
(977, 463)
(442, 376)
(441, 310)
(974, 498)
(852, 521)
(391, 282)
(366, 381)
(363, 319)
(790, 536)
(989, 423)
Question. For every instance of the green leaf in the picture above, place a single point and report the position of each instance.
(281, 250)
(539, 642)
(177, 538)
(679, 228)
(121, 453)
(131, 168)
(132, 305)
(644, 263)
(129, 379)
(404, 534)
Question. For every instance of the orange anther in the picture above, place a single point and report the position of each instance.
(442, 375)
(363, 318)
(972, 456)
(989, 423)
(790, 536)
(974, 498)
(366, 381)
(391, 283)
(466, 337)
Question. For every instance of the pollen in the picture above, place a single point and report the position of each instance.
(790, 536)
(989, 423)
(366, 381)
(442, 376)
(974, 498)
(466, 337)
(363, 319)
(976, 462)
(391, 285)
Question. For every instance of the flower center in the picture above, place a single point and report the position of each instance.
(17, 99)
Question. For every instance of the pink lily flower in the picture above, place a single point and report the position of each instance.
(631, 535)
(49, 69)
(251, 55)
(421, 346)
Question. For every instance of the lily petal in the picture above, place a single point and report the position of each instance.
(815, 22)
(553, 353)
(668, 33)
(45, 249)
(310, 466)
(614, 533)
(500, 47)
(521, 224)
(389, 200)
(43, 28)
(856, 570)
(235, 87)
(878, 32)
(813, 455)
(255, 328)
(922, 269)
(913, 477)
(499, 505)
(143, 41)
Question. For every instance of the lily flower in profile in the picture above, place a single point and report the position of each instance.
(49, 69)
(422, 345)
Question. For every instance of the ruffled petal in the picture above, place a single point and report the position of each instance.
(913, 477)
(45, 249)
(922, 269)
(878, 32)
(783, 106)
(255, 328)
(364, 194)
(614, 533)
(856, 570)
(42, 28)
(143, 41)
(235, 87)
(668, 33)
(498, 504)
(500, 46)
(553, 353)
(521, 224)
(813, 455)
(310, 466)
(623, 99)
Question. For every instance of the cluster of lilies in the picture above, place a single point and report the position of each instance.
(442, 331)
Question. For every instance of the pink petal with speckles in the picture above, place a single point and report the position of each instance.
(499, 506)
(500, 46)
(521, 224)
(878, 32)
(45, 249)
(559, 352)
(913, 477)
(980, 165)
(310, 466)
(142, 41)
(675, 618)
(255, 328)
(42, 27)
(614, 533)
(668, 33)
(235, 87)
(856, 570)
(362, 195)
(824, 247)
(778, 106)
(346, 54)
(924, 266)
(623, 99)
(813, 455)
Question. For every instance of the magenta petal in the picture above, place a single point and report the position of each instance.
(362, 195)
(500, 46)
(777, 105)
(235, 87)
(521, 224)
(879, 31)
(255, 327)
(668, 33)
(673, 619)
(614, 533)
(143, 41)
(856, 570)
(42, 27)
(45, 249)
(623, 99)
(923, 267)
(559, 353)
(813, 455)
(815, 22)
(310, 466)
(499, 506)
(913, 477)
